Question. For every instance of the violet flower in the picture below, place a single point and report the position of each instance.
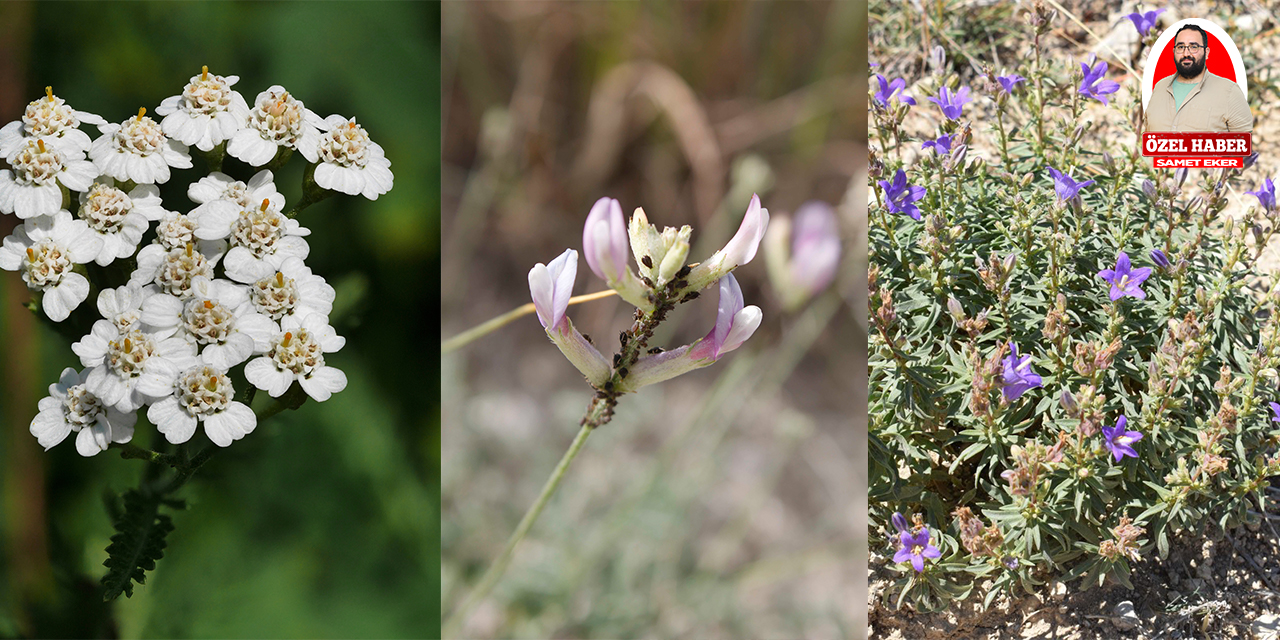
(1266, 195)
(1009, 82)
(888, 89)
(1018, 377)
(1125, 280)
(1066, 187)
(1275, 409)
(1145, 22)
(735, 323)
(941, 146)
(551, 286)
(900, 521)
(951, 103)
(1161, 260)
(900, 196)
(916, 548)
(1119, 441)
(1095, 85)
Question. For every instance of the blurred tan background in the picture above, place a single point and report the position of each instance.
(724, 503)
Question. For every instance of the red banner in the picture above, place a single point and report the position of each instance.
(1228, 162)
(1168, 144)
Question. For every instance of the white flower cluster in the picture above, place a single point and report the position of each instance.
(220, 285)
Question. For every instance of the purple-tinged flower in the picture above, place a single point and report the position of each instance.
(802, 255)
(735, 323)
(551, 286)
(951, 103)
(900, 522)
(1266, 195)
(1275, 409)
(1009, 82)
(1145, 22)
(888, 89)
(740, 249)
(916, 548)
(900, 196)
(1095, 85)
(1010, 562)
(1125, 280)
(1066, 187)
(941, 146)
(1161, 260)
(604, 240)
(1119, 441)
(1018, 376)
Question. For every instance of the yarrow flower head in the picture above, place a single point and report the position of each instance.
(119, 218)
(45, 249)
(1144, 22)
(217, 317)
(207, 113)
(277, 121)
(350, 162)
(202, 395)
(51, 119)
(72, 408)
(1124, 279)
(297, 353)
(1119, 440)
(914, 548)
(1065, 186)
(889, 89)
(138, 150)
(952, 104)
(940, 146)
(803, 255)
(32, 188)
(127, 369)
(219, 186)
(900, 196)
(1010, 82)
(1095, 85)
(1018, 377)
(1266, 195)
(261, 238)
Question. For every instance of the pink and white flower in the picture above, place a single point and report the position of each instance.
(202, 394)
(207, 113)
(551, 286)
(72, 408)
(51, 119)
(277, 120)
(297, 353)
(803, 257)
(739, 251)
(138, 150)
(350, 162)
(31, 189)
(45, 249)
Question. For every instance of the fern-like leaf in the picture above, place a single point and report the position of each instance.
(137, 544)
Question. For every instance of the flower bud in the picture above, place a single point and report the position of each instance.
(1180, 176)
(604, 240)
(1149, 188)
(1158, 257)
(739, 251)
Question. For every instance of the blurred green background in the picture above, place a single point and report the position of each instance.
(724, 503)
(324, 521)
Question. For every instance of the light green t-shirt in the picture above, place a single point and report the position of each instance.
(1180, 92)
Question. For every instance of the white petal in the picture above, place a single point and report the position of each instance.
(263, 374)
(170, 419)
(230, 425)
(49, 427)
(323, 382)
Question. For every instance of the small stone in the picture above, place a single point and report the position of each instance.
(1124, 617)
(1057, 590)
(1266, 627)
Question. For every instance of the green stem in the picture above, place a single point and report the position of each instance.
(454, 624)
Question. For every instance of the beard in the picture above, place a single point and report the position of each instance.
(1192, 70)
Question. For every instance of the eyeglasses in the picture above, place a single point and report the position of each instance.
(1188, 48)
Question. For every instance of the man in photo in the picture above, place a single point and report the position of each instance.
(1194, 100)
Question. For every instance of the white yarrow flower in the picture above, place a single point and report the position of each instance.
(277, 120)
(51, 119)
(297, 353)
(44, 250)
(349, 161)
(261, 237)
(202, 395)
(70, 407)
(138, 150)
(292, 291)
(220, 186)
(217, 316)
(207, 113)
(119, 219)
(122, 306)
(174, 270)
(31, 189)
(131, 368)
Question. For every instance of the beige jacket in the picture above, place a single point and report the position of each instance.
(1216, 104)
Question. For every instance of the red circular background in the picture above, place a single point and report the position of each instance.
(1218, 61)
